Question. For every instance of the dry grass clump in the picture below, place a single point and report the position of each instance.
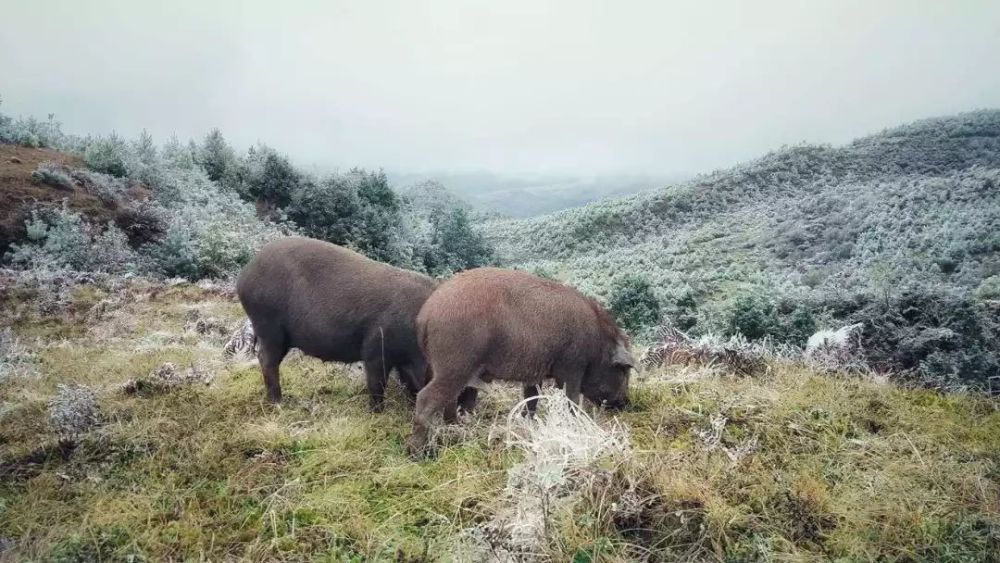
(16, 360)
(208, 326)
(166, 377)
(73, 411)
(55, 175)
(562, 449)
(735, 355)
(838, 350)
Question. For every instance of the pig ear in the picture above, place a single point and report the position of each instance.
(622, 357)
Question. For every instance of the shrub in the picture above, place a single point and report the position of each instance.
(544, 272)
(107, 155)
(633, 304)
(944, 338)
(144, 163)
(110, 252)
(59, 238)
(31, 132)
(222, 250)
(177, 156)
(143, 222)
(5, 122)
(464, 246)
(753, 316)
(210, 232)
(53, 174)
(217, 158)
(267, 178)
(378, 231)
(449, 243)
(837, 350)
(683, 312)
(989, 289)
(932, 335)
(357, 210)
(176, 255)
(326, 210)
(441, 228)
(109, 189)
(798, 326)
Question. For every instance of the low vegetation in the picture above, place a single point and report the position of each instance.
(897, 230)
(201, 210)
(133, 438)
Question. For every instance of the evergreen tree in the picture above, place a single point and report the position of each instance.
(633, 304)
(217, 157)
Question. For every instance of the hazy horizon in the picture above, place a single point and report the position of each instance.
(546, 88)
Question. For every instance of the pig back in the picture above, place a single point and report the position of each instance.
(515, 324)
(328, 299)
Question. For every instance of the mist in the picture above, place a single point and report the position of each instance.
(570, 87)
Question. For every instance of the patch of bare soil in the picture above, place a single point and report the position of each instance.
(18, 192)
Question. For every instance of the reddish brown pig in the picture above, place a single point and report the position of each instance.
(490, 323)
(336, 305)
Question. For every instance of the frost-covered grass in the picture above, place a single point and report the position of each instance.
(794, 465)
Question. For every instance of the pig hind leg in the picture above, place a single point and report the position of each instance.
(439, 395)
(377, 374)
(412, 379)
(271, 350)
(531, 394)
(466, 402)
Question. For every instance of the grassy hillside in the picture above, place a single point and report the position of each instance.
(791, 465)
(908, 215)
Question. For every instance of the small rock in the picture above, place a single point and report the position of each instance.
(15, 160)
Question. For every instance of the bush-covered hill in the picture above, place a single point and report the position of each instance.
(201, 210)
(899, 219)
(21, 187)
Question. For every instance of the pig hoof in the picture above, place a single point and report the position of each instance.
(377, 407)
(418, 450)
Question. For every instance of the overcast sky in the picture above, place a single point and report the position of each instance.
(575, 86)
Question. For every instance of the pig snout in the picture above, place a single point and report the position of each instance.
(617, 404)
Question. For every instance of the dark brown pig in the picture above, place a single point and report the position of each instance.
(490, 323)
(336, 305)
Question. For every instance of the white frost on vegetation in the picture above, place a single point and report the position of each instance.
(73, 411)
(841, 349)
(562, 447)
(242, 343)
(16, 360)
(840, 338)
